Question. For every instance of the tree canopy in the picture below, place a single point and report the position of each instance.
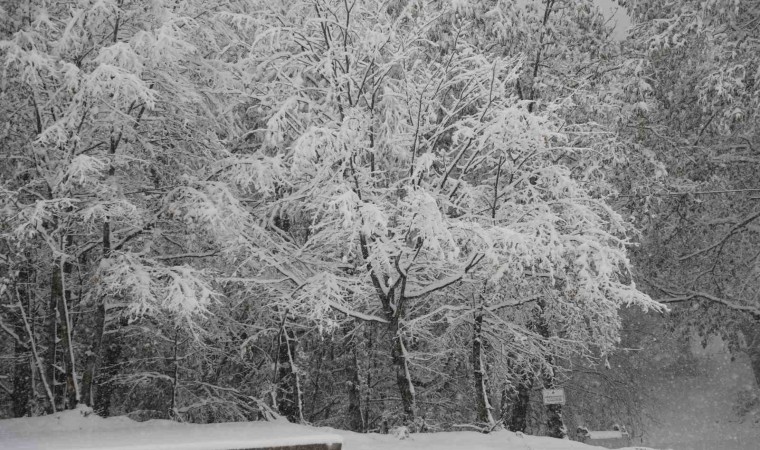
(352, 212)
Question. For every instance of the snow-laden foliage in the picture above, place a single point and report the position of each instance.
(409, 176)
(694, 67)
(227, 201)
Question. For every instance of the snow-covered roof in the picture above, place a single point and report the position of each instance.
(612, 434)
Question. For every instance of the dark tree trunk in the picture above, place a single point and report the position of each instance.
(555, 424)
(172, 412)
(51, 335)
(72, 390)
(355, 418)
(109, 368)
(95, 387)
(403, 377)
(370, 369)
(22, 372)
(518, 420)
(289, 401)
(88, 376)
(751, 331)
(479, 372)
(105, 350)
(22, 369)
(754, 359)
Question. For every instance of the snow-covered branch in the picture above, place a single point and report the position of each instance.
(357, 314)
(752, 311)
(445, 282)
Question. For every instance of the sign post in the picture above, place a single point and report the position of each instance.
(554, 396)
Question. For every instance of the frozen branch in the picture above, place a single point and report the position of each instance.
(725, 238)
(188, 255)
(356, 314)
(753, 311)
(446, 282)
(7, 329)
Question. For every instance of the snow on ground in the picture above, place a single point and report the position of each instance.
(75, 430)
(695, 411)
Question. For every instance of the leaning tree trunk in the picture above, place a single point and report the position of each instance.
(36, 358)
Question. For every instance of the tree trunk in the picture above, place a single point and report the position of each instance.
(518, 420)
(403, 377)
(72, 385)
(37, 359)
(51, 332)
(173, 413)
(22, 372)
(754, 359)
(370, 369)
(479, 372)
(96, 393)
(355, 418)
(554, 422)
(751, 331)
(107, 369)
(289, 395)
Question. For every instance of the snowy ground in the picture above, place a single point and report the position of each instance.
(72, 430)
(696, 410)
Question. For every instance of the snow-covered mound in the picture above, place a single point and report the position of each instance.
(79, 429)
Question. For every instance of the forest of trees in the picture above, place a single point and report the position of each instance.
(368, 214)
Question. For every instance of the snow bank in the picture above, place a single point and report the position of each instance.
(79, 429)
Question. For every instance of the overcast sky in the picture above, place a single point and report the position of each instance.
(612, 10)
(618, 14)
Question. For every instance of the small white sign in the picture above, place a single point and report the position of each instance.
(554, 396)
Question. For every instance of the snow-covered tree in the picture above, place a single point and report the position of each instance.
(235, 210)
(693, 72)
(113, 110)
(410, 166)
